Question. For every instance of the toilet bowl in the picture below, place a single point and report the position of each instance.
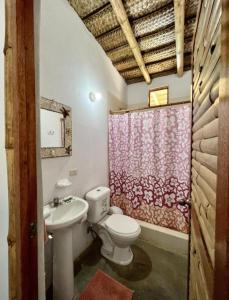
(117, 231)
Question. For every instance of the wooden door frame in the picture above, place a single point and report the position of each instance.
(221, 282)
(20, 144)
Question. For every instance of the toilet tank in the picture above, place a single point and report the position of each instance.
(99, 203)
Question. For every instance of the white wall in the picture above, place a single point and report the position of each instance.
(179, 89)
(72, 64)
(3, 171)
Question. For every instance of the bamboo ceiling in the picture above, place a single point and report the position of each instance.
(153, 25)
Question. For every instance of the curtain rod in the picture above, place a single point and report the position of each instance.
(124, 111)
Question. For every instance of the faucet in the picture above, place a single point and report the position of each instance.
(56, 202)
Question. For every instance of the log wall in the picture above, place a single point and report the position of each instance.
(205, 94)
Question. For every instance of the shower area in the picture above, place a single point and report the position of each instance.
(149, 165)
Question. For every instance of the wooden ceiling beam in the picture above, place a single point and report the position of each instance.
(179, 11)
(121, 15)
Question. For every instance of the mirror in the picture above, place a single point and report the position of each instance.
(52, 129)
(56, 129)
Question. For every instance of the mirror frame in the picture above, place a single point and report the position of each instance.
(52, 105)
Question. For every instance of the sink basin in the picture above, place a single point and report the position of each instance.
(67, 213)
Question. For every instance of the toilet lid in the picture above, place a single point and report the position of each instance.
(122, 224)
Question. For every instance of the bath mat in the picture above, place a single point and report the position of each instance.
(103, 287)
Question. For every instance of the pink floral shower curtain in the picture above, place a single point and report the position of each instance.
(149, 157)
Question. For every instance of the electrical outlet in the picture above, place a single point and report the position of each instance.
(73, 172)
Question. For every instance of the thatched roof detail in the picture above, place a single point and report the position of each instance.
(165, 37)
(153, 56)
(156, 67)
(140, 8)
(153, 25)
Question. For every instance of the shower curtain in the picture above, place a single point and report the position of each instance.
(149, 161)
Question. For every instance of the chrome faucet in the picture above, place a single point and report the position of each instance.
(56, 201)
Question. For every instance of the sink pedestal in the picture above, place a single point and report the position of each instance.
(59, 220)
(63, 273)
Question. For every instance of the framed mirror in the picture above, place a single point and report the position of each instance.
(56, 129)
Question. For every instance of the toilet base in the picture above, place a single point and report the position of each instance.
(120, 256)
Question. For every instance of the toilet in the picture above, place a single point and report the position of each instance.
(116, 230)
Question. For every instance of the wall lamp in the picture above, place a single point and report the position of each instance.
(95, 96)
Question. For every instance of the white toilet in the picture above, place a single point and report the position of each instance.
(116, 231)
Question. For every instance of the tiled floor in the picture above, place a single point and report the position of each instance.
(154, 274)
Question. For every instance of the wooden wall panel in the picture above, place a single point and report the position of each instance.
(205, 131)
(201, 265)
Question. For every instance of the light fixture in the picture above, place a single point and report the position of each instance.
(50, 236)
(95, 97)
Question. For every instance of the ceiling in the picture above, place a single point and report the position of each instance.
(153, 25)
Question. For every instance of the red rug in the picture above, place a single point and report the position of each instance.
(103, 287)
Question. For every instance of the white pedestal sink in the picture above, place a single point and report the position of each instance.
(59, 222)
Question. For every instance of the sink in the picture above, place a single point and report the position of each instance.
(67, 213)
(60, 220)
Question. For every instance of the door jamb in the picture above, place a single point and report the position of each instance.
(221, 286)
(20, 144)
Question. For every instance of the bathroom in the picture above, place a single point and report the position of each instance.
(120, 161)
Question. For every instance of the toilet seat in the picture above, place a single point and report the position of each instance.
(122, 225)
